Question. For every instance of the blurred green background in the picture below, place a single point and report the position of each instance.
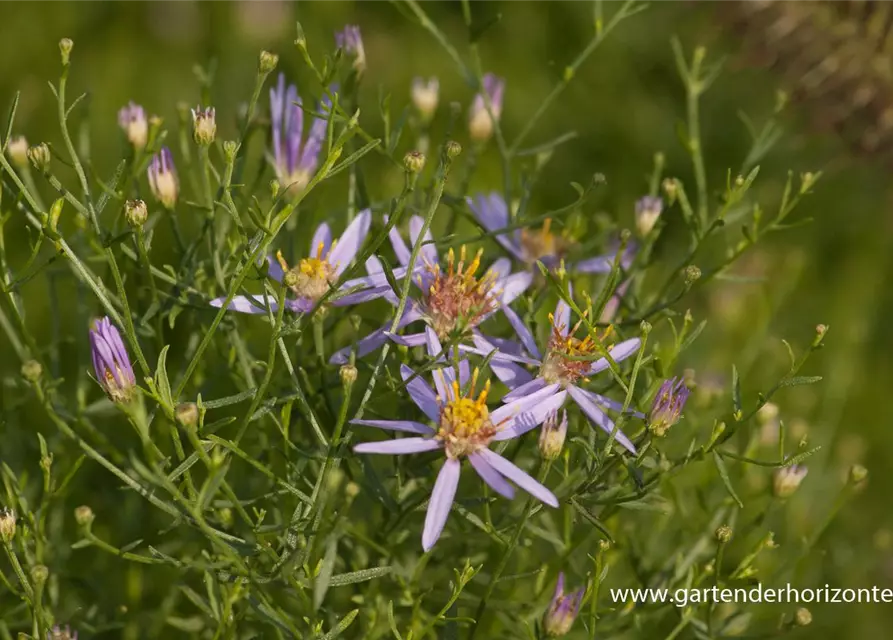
(624, 103)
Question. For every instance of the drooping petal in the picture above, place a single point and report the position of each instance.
(510, 374)
(248, 304)
(408, 340)
(441, 501)
(397, 425)
(351, 240)
(420, 393)
(274, 270)
(432, 342)
(613, 405)
(600, 264)
(620, 351)
(322, 236)
(429, 252)
(521, 404)
(374, 340)
(513, 286)
(598, 417)
(400, 446)
(562, 317)
(400, 249)
(519, 477)
(532, 417)
(506, 350)
(489, 475)
(524, 390)
(522, 332)
(492, 213)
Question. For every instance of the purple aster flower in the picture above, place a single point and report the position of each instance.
(58, 633)
(560, 369)
(425, 96)
(132, 119)
(480, 124)
(528, 246)
(350, 41)
(563, 609)
(668, 404)
(163, 178)
(294, 162)
(648, 210)
(111, 363)
(463, 427)
(312, 277)
(453, 300)
(787, 480)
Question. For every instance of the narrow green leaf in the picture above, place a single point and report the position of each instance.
(324, 577)
(362, 575)
(798, 380)
(736, 390)
(342, 625)
(724, 474)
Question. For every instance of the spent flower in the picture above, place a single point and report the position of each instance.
(480, 122)
(163, 179)
(668, 404)
(132, 119)
(204, 125)
(461, 426)
(58, 633)
(7, 525)
(351, 42)
(552, 435)
(40, 156)
(17, 150)
(294, 158)
(648, 210)
(787, 480)
(111, 364)
(562, 610)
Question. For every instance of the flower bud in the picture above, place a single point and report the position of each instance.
(111, 364)
(204, 125)
(858, 473)
(453, 149)
(480, 123)
(65, 47)
(803, 617)
(32, 370)
(230, 149)
(58, 633)
(348, 374)
(414, 162)
(163, 178)
(723, 534)
(350, 41)
(136, 213)
(671, 188)
(562, 610)
(267, 61)
(604, 545)
(132, 120)
(788, 479)
(84, 515)
(40, 157)
(425, 96)
(39, 575)
(667, 407)
(767, 414)
(187, 414)
(648, 210)
(552, 435)
(692, 274)
(7, 525)
(17, 150)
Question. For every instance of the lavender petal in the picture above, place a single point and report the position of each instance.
(489, 475)
(397, 425)
(352, 239)
(598, 417)
(620, 351)
(519, 477)
(420, 393)
(399, 447)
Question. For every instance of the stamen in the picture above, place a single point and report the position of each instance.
(281, 260)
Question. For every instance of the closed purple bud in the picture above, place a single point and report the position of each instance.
(111, 363)
(351, 42)
(163, 178)
(58, 633)
(480, 124)
(563, 610)
(787, 480)
(668, 404)
(648, 210)
(294, 158)
(204, 125)
(132, 119)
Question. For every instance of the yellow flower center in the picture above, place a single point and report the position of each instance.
(457, 299)
(311, 277)
(465, 424)
(568, 359)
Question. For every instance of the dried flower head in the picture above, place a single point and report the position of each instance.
(552, 435)
(668, 404)
(787, 480)
(17, 150)
(204, 125)
(7, 525)
(425, 96)
(111, 363)
(562, 610)
(480, 122)
(163, 178)
(40, 156)
(648, 210)
(136, 213)
(132, 119)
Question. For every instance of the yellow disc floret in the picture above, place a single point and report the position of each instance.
(457, 300)
(465, 424)
(543, 243)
